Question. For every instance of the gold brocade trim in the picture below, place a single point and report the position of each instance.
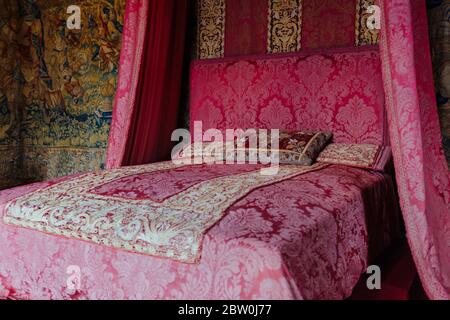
(361, 155)
(173, 228)
(285, 26)
(364, 35)
(211, 29)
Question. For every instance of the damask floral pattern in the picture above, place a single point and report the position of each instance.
(290, 92)
(302, 238)
(172, 227)
(421, 168)
(142, 186)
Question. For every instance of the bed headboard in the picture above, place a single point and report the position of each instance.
(339, 90)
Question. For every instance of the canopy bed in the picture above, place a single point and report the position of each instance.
(162, 231)
(314, 243)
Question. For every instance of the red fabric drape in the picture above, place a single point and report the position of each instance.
(421, 168)
(246, 27)
(147, 99)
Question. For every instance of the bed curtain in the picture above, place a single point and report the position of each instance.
(148, 91)
(421, 169)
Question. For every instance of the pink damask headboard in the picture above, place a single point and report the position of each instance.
(339, 90)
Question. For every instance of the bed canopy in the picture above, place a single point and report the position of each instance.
(421, 169)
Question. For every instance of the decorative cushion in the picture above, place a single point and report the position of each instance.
(296, 147)
(369, 156)
(302, 147)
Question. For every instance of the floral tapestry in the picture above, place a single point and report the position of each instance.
(56, 105)
(9, 92)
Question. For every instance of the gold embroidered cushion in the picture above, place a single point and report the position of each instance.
(367, 156)
(294, 147)
(302, 147)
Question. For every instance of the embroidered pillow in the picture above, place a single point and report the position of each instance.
(367, 156)
(295, 147)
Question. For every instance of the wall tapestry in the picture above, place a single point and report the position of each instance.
(211, 28)
(10, 83)
(439, 23)
(285, 26)
(66, 84)
(227, 28)
(364, 35)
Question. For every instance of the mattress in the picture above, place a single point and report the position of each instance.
(308, 237)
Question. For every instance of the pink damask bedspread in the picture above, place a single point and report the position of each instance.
(303, 238)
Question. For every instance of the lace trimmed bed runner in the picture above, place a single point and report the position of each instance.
(173, 228)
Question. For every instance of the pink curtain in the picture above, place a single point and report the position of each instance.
(130, 64)
(149, 85)
(421, 169)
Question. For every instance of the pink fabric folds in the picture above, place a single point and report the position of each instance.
(422, 173)
(147, 101)
(131, 57)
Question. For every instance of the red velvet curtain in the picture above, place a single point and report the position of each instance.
(149, 86)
